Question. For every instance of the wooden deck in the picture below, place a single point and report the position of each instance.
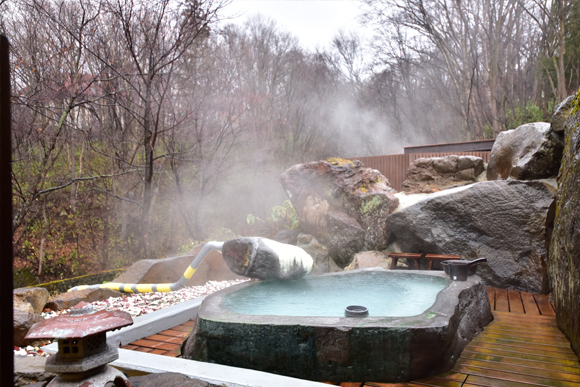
(166, 343)
(522, 347)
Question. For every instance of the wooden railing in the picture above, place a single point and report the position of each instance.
(394, 167)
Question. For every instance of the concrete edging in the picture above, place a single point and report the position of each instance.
(208, 372)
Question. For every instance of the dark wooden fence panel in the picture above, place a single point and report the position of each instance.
(394, 167)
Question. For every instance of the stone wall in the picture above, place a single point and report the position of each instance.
(564, 261)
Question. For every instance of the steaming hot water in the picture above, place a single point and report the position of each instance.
(327, 296)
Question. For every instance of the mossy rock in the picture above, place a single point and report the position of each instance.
(24, 278)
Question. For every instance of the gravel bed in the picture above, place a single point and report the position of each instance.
(138, 304)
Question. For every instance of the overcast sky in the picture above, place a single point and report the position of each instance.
(314, 22)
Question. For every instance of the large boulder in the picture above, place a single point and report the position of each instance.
(69, 299)
(342, 204)
(531, 151)
(169, 270)
(266, 259)
(36, 297)
(507, 222)
(427, 175)
(564, 263)
(368, 259)
(22, 322)
(561, 114)
(322, 262)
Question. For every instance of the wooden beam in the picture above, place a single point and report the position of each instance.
(468, 146)
(6, 278)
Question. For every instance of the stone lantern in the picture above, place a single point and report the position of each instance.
(83, 352)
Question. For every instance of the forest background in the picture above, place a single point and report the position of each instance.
(141, 128)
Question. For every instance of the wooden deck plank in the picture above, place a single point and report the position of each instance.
(156, 345)
(528, 317)
(351, 384)
(453, 376)
(530, 335)
(514, 345)
(544, 305)
(409, 384)
(529, 302)
(182, 328)
(189, 323)
(524, 340)
(171, 332)
(493, 346)
(521, 355)
(165, 339)
(514, 377)
(530, 371)
(438, 382)
(506, 327)
(538, 321)
(516, 305)
(521, 362)
(510, 325)
(129, 347)
(501, 300)
(474, 380)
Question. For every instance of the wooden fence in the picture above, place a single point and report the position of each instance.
(394, 167)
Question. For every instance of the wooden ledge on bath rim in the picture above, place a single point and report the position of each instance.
(440, 257)
(416, 256)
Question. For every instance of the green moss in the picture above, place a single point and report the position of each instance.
(339, 161)
(371, 205)
(575, 103)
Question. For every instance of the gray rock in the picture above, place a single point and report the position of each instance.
(265, 259)
(22, 305)
(342, 204)
(30, 369)
(470, 162)
(287, 236)
(323, 263)
(37, 297)
(169, 379)
(564, 262)
(561, 114)
(507, 222)
(345, 237)
(169, 270)
(466, 174)
(428, 175)
(531, 151)
(69, 299)
(368, 259)
(446, 164)
(22, 322)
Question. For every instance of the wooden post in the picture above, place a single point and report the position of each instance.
(6, 279)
